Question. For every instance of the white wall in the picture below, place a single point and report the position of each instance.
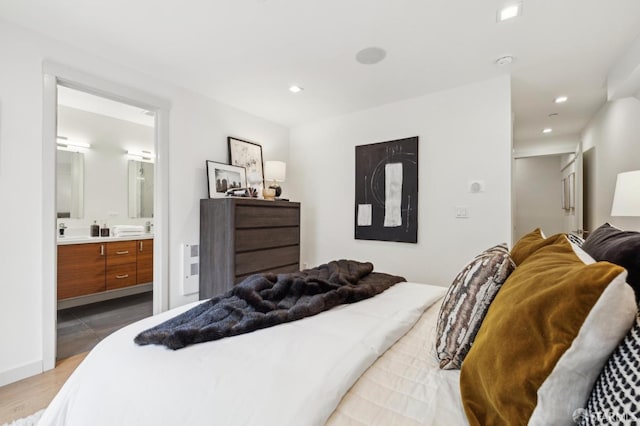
(198, 131)
(465, 134)
(537, 200)
(615, 133)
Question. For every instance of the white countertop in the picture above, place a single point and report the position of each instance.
(66, 240)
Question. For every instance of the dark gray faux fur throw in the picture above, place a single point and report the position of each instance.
(265, 300)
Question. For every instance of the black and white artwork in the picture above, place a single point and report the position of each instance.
(248, 155)
(386, 207)
(223, 177)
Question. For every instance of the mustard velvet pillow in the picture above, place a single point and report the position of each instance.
(545, 338)
(528, 244)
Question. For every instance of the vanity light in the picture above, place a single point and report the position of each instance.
(510, 11)
(65, 144)
(142, 155)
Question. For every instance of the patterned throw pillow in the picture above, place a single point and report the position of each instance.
(467, 302)
(575, 240)
(615, 398)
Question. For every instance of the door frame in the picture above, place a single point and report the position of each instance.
(55, 74)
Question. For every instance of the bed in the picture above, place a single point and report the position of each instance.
(292, 374)
(544, 333)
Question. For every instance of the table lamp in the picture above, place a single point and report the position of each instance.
(274, 172)
(626, 198)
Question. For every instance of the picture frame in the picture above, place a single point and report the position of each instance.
(563, 194)
(247, 154)
(223, 177)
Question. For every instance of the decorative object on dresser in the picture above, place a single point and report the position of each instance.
(224, 177)
(387, 191)
(86, 269)
(275, 172)
(242, 236)
(248, 155)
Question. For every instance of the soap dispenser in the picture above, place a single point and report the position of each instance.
(95, 229)
(104, 232)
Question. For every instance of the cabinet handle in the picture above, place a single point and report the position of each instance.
(101, 249)
(123, 252)
(119, 277)
(140, 245)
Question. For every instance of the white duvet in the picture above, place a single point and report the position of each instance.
(291, 374)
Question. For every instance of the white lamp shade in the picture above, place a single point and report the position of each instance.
(275, 171)
(626, 199)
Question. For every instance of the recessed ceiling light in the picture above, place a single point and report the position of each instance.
(561, 99)
(547, 130)
(505, 60)
(295, 89)
(371, 55)
(510, 11)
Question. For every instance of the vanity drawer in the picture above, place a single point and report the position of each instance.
(119, 276)
(121, 252)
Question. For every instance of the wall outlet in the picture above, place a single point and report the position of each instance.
(462, 212)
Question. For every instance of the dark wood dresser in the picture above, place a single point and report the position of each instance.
(243, 236)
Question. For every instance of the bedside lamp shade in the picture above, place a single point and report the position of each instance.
(275, 171)
(626, 199)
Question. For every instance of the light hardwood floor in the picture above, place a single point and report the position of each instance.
(27, 396)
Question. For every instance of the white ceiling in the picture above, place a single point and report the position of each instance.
(246, 53)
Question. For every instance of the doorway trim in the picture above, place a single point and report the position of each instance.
(55, 74)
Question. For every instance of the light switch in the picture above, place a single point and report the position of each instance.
(462, 212)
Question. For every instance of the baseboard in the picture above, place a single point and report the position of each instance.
(104, 295)
(19, 373)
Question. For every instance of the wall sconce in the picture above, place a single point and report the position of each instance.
(142, 155)
(65, 144)
(275, 172)
(626, 198)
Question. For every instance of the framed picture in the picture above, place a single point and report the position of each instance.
(563, 194)
(223, 177)
(386, 204)
(248, 155)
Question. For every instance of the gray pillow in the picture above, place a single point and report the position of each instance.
(466, 304)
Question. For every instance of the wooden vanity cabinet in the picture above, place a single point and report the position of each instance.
(85, 269)
(145, 261)
(81, 269)
(121, 264)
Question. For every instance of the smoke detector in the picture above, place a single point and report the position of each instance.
(504, 60)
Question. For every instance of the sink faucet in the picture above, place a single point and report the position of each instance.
(61, 228)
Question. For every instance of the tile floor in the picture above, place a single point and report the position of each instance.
(81, 328)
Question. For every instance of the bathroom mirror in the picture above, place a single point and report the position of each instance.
(140, 189)
(70, 184)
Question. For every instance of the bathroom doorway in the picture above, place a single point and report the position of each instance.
(123, 228)
(104, 212)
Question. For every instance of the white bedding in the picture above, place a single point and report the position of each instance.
(405, 386)
(291, 374)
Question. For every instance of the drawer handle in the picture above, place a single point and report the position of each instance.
(101, 249)
(140, 245)
(123, 252)
(119, 277)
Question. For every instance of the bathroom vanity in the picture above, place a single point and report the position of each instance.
(92, 269)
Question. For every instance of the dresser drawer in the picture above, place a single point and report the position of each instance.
(279, 270)
(264, 217)
(266, 260)
(264, 238)
(121, 252)
(119, 276)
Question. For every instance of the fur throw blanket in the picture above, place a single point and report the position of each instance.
(266, 300)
